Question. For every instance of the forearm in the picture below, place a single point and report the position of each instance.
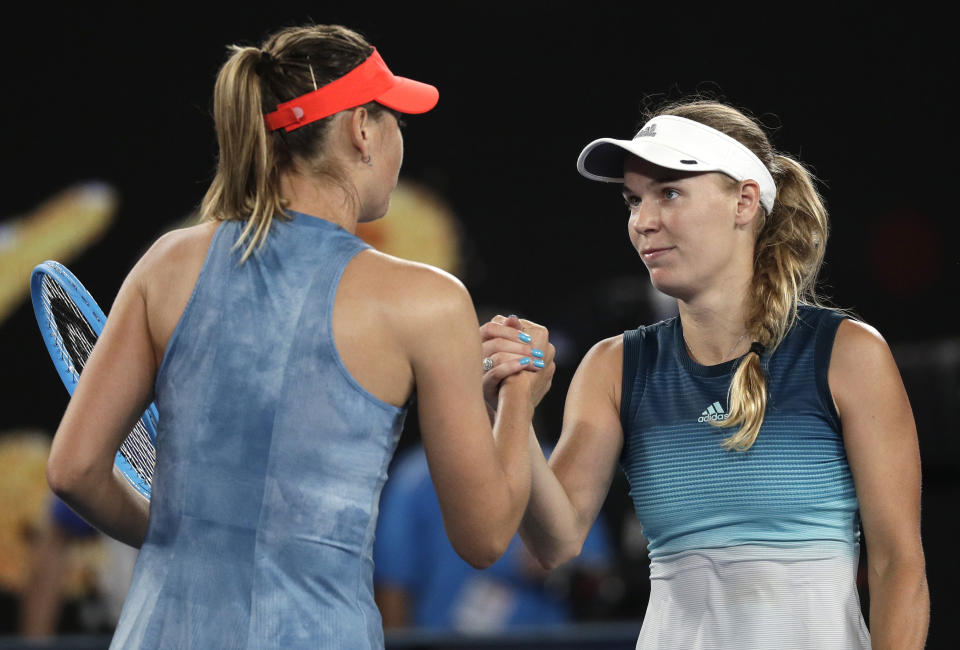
(550, 527)
(899, 606)
(514, 412)
(107, 502)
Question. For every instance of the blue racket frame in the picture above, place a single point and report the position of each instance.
(64, 365)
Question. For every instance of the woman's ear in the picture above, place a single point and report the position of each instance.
(359, 125)
(748, 202)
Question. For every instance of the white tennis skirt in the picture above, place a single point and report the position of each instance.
(783, 597)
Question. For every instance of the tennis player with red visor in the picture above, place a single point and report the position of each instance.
(281, 352)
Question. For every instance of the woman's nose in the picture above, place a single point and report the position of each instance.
(645, 218)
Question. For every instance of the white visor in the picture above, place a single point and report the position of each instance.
(678, 143)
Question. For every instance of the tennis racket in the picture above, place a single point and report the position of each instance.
(70, 322)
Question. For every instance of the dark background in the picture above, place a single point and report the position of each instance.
(122, 94)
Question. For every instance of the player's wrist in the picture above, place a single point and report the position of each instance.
(515, 392)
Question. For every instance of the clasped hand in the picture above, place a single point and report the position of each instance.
(520, 351)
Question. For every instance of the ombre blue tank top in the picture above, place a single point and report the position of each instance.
(270, 460)
(749, 549)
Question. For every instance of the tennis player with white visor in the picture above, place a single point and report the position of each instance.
(747, 426)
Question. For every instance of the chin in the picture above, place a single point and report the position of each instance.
(664, 285)
(375, 214)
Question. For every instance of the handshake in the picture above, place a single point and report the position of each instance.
(518, 351)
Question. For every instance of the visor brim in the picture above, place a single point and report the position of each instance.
(409, 96)
(603, 159)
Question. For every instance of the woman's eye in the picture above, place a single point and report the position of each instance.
(670, 193)
(632, 201)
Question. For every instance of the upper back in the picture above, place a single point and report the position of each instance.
(375, 295)
(257, 309)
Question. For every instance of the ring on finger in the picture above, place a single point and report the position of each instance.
(487, 364)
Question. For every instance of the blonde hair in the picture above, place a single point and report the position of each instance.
(253, 81)
(788, 254)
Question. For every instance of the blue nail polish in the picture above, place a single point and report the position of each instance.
(538, 363)
(523, 336)
(524, 361)
(537, 353)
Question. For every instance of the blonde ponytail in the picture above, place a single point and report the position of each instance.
(246, 183)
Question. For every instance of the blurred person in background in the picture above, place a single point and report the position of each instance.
(420, 581)
(44, 597)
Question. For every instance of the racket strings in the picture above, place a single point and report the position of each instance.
(140, 452)
(68, 324)
(77, 338)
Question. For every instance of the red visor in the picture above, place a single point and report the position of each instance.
(369, 81)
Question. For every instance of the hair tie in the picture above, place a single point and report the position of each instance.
(264, 63)
(757, 347)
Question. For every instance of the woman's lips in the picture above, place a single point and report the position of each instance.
(651, 254)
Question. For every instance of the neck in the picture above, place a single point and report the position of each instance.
(714, 327)
(324, 200)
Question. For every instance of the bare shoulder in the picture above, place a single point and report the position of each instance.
(862, 369)
(600, 373)
(605, 359)
(174, 257)
(179, 246)
(392, 316)
(166, 275)
(858, 347)
(415, 293)
(607, 351)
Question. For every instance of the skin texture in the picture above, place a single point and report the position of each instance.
(884, 459)
(382, 309)
(695, 235)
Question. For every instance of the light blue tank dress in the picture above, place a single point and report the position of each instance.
(270, 460)
(754, 549)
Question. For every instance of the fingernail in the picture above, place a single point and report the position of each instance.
(538, 363)
(524, 361)
(523, 336)
(513, 316)
(537, 353)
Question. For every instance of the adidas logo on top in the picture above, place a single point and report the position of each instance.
(713, 412)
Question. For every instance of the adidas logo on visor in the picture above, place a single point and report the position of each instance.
(713, 412)
(647, 132)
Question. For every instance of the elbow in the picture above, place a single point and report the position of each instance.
(480, 561)
(65, 479)
(551, 562)
(484, 553)
(481, 553)
(553, 558)
(906, 562)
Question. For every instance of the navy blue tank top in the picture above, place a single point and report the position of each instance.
(689, 492)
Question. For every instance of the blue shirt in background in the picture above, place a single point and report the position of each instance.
(412, 552)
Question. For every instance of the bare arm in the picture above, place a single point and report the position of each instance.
(112, 393)
(884, 459)
(117, 385)
(482, 480)
(566, 494)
